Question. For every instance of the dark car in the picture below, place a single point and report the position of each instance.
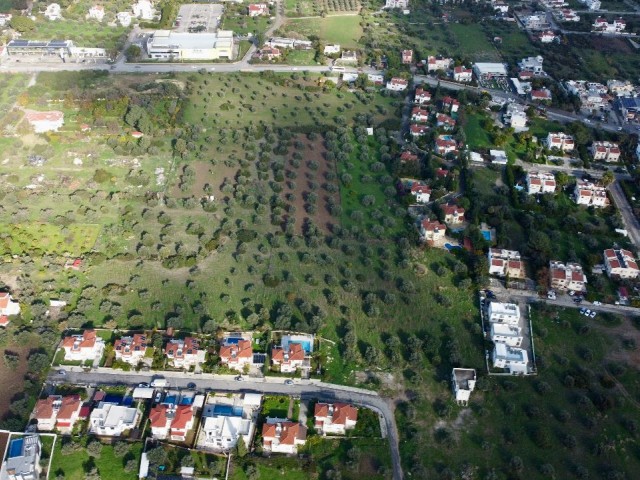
(191, 385)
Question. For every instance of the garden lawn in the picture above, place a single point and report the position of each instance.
(477, 137)
(72, 467)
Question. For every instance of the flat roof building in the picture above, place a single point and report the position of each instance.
(168, 45)
(485, 71)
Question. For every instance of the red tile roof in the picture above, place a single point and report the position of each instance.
(295, 353)
(240, 350)
(158, 416)
(290, 431)
(184, 414)
(87, 340)
(71, 404)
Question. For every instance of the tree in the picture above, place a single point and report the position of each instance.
(120, 449)
(133, 53)
(241, 448)
(94, 448)
(22, 24)
(157, 456)
(607, 178)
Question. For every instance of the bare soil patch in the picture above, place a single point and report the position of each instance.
(305, 178)
(625, 331)
(206, 173)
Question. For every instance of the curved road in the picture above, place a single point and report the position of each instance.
(306, 389)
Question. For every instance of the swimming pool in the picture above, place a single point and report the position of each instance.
(186, 401)
(15, 447)
(170, 399)
(110, 398)
(227, 410)
(448, 246)
(486, 234)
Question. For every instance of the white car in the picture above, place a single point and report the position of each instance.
(597, 302)
(587, 313)
(593, 314)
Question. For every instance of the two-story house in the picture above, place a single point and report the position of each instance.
(569, 276)
(85, 347)
(283, 436)
(335, 418)
(184, 353)
(131, 349)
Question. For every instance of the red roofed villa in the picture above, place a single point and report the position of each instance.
(335, 418)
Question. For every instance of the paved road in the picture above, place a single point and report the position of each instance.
(630, 221)
(574, 171)
(306, 389)
(562, 301)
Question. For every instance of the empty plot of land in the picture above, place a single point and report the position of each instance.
(194, 17)
(308, 182)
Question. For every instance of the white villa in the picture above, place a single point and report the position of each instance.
(508, 313)
(85, 347)
(111, 420)
(513, 359)
(508, 334)
(227, 418)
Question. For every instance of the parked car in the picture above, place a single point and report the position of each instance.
(582, 310)
(593, 314)
(239, 378)
(288, 382)
(143, 385)
(191, 385)
(596, 302)
(62, 372)
(587, 313)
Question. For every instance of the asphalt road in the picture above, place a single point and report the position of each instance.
(305, 389)
(629, 219)
(563, 301)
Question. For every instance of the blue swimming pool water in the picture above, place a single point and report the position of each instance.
(15, 447)
(110, 398)
(127, 401)
(227, 410)
(186, 401)
(486, 234)
(170, 399)
(306, 346)
(232, 340)
(448, 246)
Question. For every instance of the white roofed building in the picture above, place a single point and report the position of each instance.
(510, 358)
(487, 71)
(96, 12)
(505, 333)
(463, 381)
(508, 313)
(438, 63)
(111, 420)
(176, 46)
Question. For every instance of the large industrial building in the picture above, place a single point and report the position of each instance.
(168, 45)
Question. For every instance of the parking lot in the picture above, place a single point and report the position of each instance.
(199, 17)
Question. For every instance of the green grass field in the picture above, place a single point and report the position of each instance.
(477, 137)
(343, 30)
(48, 238)
(73, 467)
(82, 33)
(472, 42)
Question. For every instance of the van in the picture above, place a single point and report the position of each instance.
(159, 383)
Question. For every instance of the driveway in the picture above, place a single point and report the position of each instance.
(305, 389)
